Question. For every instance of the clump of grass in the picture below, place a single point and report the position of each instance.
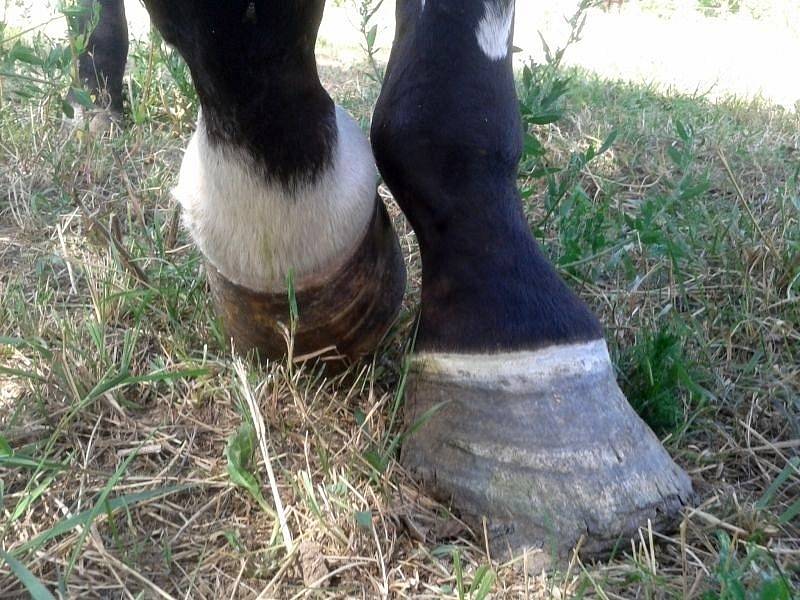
(657, 377)
(754, 575)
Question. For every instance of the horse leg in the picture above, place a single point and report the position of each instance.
(101, 66)
(512, 404)
(278, 185)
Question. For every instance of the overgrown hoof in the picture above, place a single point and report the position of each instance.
(539, 449)
(341, 315)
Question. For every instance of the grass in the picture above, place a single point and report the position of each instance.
(128, 451)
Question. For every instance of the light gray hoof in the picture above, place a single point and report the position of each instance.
(540, 450)
(97, 122)
(104, 122)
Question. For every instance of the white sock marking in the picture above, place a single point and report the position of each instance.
(516, 371)
(254, 231)
(494, 29)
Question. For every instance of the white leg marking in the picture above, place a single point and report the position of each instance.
(494, 29)
(254, 231)
(516, 371)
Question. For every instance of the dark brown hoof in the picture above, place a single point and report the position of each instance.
(342, 315)
(539, 449)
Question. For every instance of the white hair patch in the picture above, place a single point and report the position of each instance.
(494, 29)
(516, 371)
(255, 231)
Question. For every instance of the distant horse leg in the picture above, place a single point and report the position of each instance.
(102, 66)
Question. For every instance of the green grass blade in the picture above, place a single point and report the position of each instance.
(790, 512)
(773, 488)
(99, 506)
(30, 463)
(38, 346)
(481, 583)
(82, 519)
(459, 573)
(35, 587)
(22, 374)
(29, 498)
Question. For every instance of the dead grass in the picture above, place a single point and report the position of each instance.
(119, 391)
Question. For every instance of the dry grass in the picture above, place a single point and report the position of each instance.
(120, 392)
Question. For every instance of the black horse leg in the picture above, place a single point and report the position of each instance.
(102, 66)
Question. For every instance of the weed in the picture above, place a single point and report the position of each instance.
(656, 377)
(482, 580)
(368, 29)
(755, 575)
(40, 68)
(240, 453)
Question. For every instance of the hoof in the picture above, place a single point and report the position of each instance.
(103, 122)
(98, 122)
(540, 450)
(342, 315)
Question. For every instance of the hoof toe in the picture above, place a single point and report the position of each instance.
(539, 449)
